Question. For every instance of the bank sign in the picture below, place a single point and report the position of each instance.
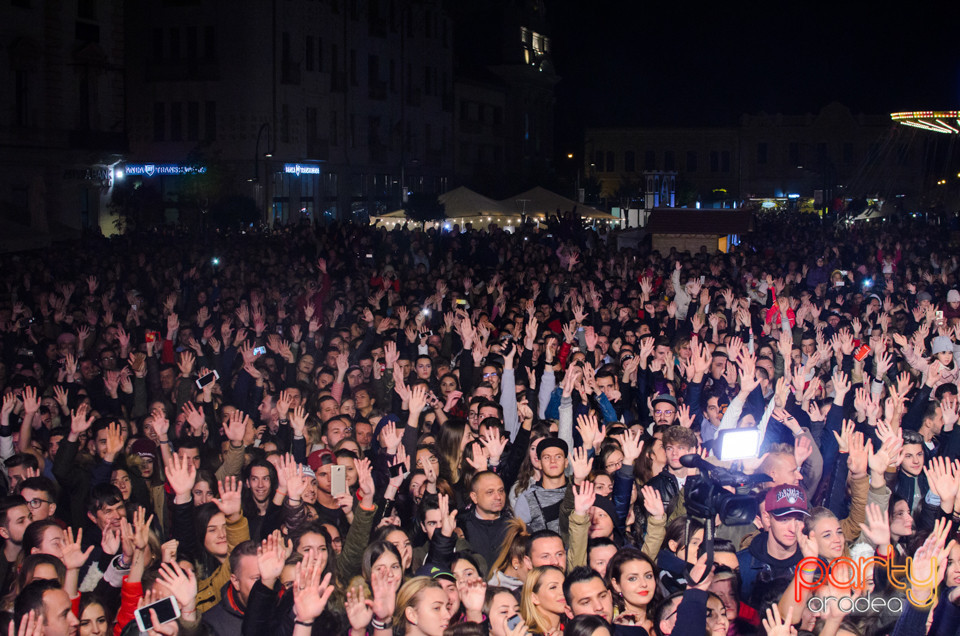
(300, 168)
(162, 169)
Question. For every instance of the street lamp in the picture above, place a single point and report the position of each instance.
(256, 157)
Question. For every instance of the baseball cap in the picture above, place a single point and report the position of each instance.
(552, 442)
(665, 397)
(786, 499)
(144, 448)
(320, 458)
(434, 572)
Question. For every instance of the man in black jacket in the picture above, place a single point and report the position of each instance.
(486, 524)
(226, 617)
(677, 442)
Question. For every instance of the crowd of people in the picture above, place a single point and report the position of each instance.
(328, 430)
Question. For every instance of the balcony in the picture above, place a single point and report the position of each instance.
(183, 71)
(97, 140)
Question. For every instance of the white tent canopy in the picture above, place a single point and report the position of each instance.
(464, 203)
(542, 202)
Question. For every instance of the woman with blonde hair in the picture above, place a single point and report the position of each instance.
(542, 604)
(421, 608)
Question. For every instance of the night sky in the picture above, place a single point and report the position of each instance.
(691, 64)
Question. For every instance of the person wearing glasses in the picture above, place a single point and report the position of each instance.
(41, 496)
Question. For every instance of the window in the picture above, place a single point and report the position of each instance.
(334, 137)
(393, 76)
(669, 160)
(192, 44)
(650, 160)
(23, 98)
(311, 120)
(176, 121)
(794, 151)
(157, 44)
(353, 67)
(611, 162)
(285, 47)
(353, 130)
(762, 153)
(193, 121)
(598, 160)
(159, 122)
(320, 54)
(426, 80)
(285, 123)
(210, 123)
(847, 153)
(725, 161)
(714, 161)
(629, 161)
(691, 161)
(373, 71)
(308, 54)
(174, 43)
(209, 43)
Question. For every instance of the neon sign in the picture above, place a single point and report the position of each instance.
(300, 168)
(162, 169)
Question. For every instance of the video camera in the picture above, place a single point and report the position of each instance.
(707, 495)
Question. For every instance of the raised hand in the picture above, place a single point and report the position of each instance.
(632, 445)
(448, 518)
(653, 502)
(79, 422)
(877, 527)
(583, 497)
(181, 583)
(365, 483)
(181, 475)
(271, 557)
(359, 609)
(74, 556)
(773, 625)
(229, 501)
(236, 427)
(580, 463)
(310, 593)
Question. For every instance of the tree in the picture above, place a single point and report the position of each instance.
(424, 207)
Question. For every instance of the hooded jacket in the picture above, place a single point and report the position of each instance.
(761, 575)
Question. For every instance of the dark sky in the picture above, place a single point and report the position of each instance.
(653, 63)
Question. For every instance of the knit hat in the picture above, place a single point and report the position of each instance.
(924, 296)
(953, 296)
(942, 344)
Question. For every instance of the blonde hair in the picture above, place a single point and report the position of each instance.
(408, 595)
(531, 614)
(514, 545)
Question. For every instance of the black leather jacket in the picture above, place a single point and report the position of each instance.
(668, 487)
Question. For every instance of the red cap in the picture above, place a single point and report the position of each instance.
(320, 458)
(785, 499)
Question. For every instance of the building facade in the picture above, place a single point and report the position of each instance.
(315, 108)
(62, 118)
(830, 155)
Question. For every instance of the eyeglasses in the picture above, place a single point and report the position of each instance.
(489, 375)
(665, 412)
(36, 503)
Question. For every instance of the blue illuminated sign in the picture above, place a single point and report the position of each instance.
(153, 169)
(300, 168)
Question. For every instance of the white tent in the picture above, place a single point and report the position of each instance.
(542, 202)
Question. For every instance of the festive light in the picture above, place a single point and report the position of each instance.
(931, 120)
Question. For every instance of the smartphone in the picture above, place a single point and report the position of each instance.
(461, 302)
(939, 314)
(703, 279)
(397, 469)
(167, 610)
(152, 336)
(338, 480)
(513, 621)
(259, 351)
(133, 307)
(280, 330)
(204, 381)
(862, 352)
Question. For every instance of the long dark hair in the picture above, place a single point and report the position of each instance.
(614, 572)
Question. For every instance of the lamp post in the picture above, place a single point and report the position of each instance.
(256, 164)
